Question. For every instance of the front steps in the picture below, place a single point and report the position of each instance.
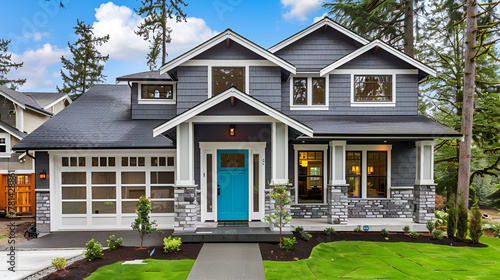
(232, 234)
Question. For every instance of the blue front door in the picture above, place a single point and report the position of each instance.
(232, 185)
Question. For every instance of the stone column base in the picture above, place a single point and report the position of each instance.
(337, 204)
(185, 208)
(424, 197)
(42, 210)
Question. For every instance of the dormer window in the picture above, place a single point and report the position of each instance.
(224, 78)
(308, 92)
(157, 93)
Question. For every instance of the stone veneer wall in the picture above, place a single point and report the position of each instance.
(186, 208)
(337, 204)
(42, 210)
(424, 203)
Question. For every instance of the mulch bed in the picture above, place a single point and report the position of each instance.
(302, 250)
(83, 268)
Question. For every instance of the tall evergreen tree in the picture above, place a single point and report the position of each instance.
(155, 30)
(6, 65)
(86, 66)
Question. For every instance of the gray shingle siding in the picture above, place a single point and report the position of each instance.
(403, 164)
(378, 60)
(192, 86)
(226, 109)
(317, 50)
(150, 111)
(265, 84)
(222, 52)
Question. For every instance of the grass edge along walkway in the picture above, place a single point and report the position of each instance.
(404, 260)
(154, 269)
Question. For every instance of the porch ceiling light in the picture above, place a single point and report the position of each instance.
(232, 130)
(43, 175)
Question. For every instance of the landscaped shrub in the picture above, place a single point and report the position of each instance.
(93, 251)
(280, 215)
(287, 243)
(142, 223)
(438, 234)
(406, 229)
(475, 227)
(59, 263)
(441, 218)
(298, 229)
(440, 201)
(329, 230)
(431, 225)
(171, 244)
(414, 235)
(114, 243)
(305, 236)
(384, 232)
(462, 226)
(358, 229)
(452, 217)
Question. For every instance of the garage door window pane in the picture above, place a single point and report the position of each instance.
(162, 177)
(103, 192)
(163, 207)
(132, 192)
(129, 206)
(162, 192)
(103, 207)
(74, 178)
(104, 178)
(133, 178)
(74, 208)
(74, 193)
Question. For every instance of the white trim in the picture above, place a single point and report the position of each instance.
(19, 118)
(314, 27)
(241, 97)
(7, 130)
(12, 99)
(374, 71)
(234, 119)
(273, 150)
(310, 147)
(367, 137)
(191, 151)
(374, 104)
(386, 47)
(7, 145)
(141, 100)
(227, 64)
(65, 97)
(309, 105)
(333, 167)
(420, 180)
(364, 167)
(228, 34)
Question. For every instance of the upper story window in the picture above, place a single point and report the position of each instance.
(373, 90)
(4, 145)
(225, 77)
(157, 93)
(309, 93)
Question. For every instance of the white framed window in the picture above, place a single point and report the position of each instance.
(4, 145)
(310, 165)
(373, 88)
(309, 91)
(225, 75)
(368, 171)
(157, 92)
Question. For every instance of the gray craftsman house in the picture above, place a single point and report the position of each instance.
(325, 110)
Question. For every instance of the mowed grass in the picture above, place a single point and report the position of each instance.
(154, 269)
(380, 260)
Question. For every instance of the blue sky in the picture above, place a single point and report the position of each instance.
(40, 31)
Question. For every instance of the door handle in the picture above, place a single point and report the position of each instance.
(218, 189)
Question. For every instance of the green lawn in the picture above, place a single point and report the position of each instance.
(359, 259)
(154, 269)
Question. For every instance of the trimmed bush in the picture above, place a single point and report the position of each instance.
(329, 231)
(93, 251)
(476, 227)
(406, 229)
(298, 229)
(287, 243)
(438, 234)
(384, 232)
(414, 235)
(305, 236)
(431, 225)
(114, 243)
(452, 217)
(462, 220)
(171, 244)
(59, 263)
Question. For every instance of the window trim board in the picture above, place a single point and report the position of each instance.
(7, 145)
(140, 100)
(309, 105)
(222, 65)
(374, 104)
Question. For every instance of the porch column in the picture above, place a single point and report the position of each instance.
(279, 135)
(424, 191)
(337, 187)
(186, 206)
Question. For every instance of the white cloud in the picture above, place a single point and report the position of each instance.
(36, 64)
(120, 22)
(320, 17)
(37, 36)
(300, 9)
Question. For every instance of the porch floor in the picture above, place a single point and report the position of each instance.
(375, 224)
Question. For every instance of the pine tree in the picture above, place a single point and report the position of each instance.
(155, 29)
(452, 217)
(462, 221)
(476, 225)
(87, 64)
(6, 65)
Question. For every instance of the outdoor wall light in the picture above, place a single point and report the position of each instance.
(43, 175)
(232, 130)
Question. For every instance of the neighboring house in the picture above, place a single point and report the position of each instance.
(326, 110)
(20, 114)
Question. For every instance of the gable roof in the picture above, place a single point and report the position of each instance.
(46, 100)
(377, 43)
(321, 23)
(232, 92)
(145, 76)
(17, 97)
(12, 130)
(231, 35)
(36, 101)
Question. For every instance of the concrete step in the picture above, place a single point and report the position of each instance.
(233, 234)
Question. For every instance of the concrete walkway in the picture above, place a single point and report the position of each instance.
(228, 261)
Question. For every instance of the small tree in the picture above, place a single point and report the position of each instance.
(452, 217)
(281, 215)
(476, 225)
(142, 223)
(462, 219)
